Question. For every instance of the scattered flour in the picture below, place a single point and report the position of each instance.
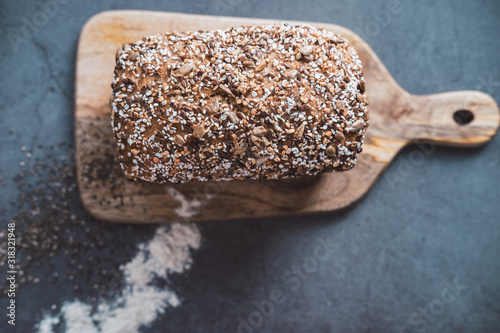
(140, 302)
(46, 324)
(187, 208)
(78, 318)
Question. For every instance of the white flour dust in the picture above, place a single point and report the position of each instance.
(140, 302)
(187, 208)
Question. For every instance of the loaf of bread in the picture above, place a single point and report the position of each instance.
(254, 102)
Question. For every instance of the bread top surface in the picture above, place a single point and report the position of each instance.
(253, 102)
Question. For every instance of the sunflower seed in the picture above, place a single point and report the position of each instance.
(260, 65)
(362, 86)
(339, 104)
(249, 63)
(259, 131)
(300, 132)
(360, 98)
(242, 146)
(213, 105)
(330, 151)
(340, 136)
(305, 98)
(185, 69)
(179, 140)
(133, 56)
(256, 140)
(225, 89)
(232, 117)
(262, 160)
(199, 131)
(357, 125)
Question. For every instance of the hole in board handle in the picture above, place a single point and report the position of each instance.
(463, 117)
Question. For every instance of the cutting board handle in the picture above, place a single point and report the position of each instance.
(459, 118)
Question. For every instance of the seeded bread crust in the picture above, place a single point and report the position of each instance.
(254, 102)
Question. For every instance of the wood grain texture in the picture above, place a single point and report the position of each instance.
(397, 118)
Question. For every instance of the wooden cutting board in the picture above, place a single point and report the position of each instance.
(397, 119)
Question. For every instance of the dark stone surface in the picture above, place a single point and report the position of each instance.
(396, 247)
